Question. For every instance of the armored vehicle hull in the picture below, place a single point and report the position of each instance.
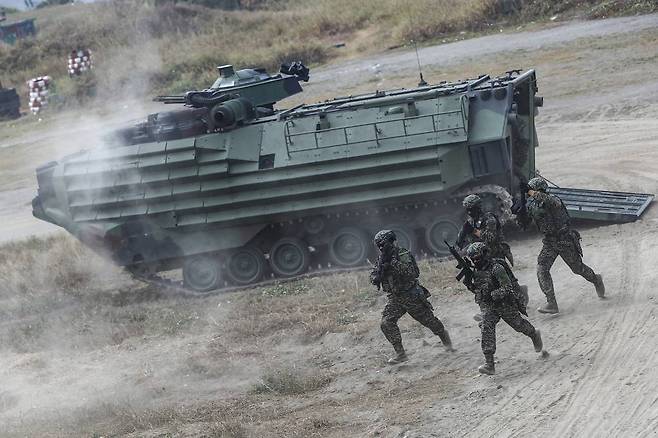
(277, 193)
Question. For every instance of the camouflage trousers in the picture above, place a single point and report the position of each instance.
(490, 317)
(417, 307)
(570, 253)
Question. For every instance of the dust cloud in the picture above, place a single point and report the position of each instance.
(78, 337)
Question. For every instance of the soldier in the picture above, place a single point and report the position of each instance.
(397, 273)
(552, 219)
(483, 227)
(497, 298)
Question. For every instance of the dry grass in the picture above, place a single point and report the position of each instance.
(312, 307)
(58, 294)
(591, 9)
(148, 47)
(255, 414)
(85, 308)
(611, 8)
(290, 381)
(40, 267)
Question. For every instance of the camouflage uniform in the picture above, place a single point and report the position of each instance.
(498, 299)
(491, 233)
(496, 296)
(551, 217)
(405, 295)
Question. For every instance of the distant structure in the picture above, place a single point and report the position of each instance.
(80, 61)
(39, 90)
(10, 33)
(10, 103)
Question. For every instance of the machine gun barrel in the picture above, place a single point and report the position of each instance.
(170, 99)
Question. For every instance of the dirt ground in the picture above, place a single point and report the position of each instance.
(106, 356)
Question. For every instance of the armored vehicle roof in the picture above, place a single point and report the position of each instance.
(253, 84)
(396, 96)
(228, 77)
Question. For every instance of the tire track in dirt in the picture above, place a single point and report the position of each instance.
(639, 404)
(585, 413)
(596, 347)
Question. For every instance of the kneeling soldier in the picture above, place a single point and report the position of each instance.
(397, 273)
(497, 298)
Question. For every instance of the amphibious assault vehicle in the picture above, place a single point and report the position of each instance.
(10, 103)
(231, 190)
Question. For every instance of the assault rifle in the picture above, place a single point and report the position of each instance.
(465, 267)
(383, 263)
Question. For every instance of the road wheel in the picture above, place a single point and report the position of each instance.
(245, 266)
(289, 257)
(202, 273)
(349, 247)
(439, 230)
(314, 224)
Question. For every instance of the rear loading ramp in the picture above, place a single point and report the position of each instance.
(603, 205)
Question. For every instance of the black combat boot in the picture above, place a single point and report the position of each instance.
(447, 343)
(400, 356)
(488, 367)
(537, 342)
(550, 307)
(600, 287)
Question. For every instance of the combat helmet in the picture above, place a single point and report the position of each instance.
(472, 201)
(479, 253)
(384, 236)
(538, 184)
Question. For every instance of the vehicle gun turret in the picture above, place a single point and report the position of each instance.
(234, 98)
(252, 84)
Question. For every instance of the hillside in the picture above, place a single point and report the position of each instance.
(144, 47)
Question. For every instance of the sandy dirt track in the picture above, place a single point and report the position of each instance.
(597, 130)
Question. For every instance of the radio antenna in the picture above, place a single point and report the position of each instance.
(422, 82)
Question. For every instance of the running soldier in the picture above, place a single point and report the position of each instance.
(397, 273)
(552, 219)
(484, 227)
(498, 299)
